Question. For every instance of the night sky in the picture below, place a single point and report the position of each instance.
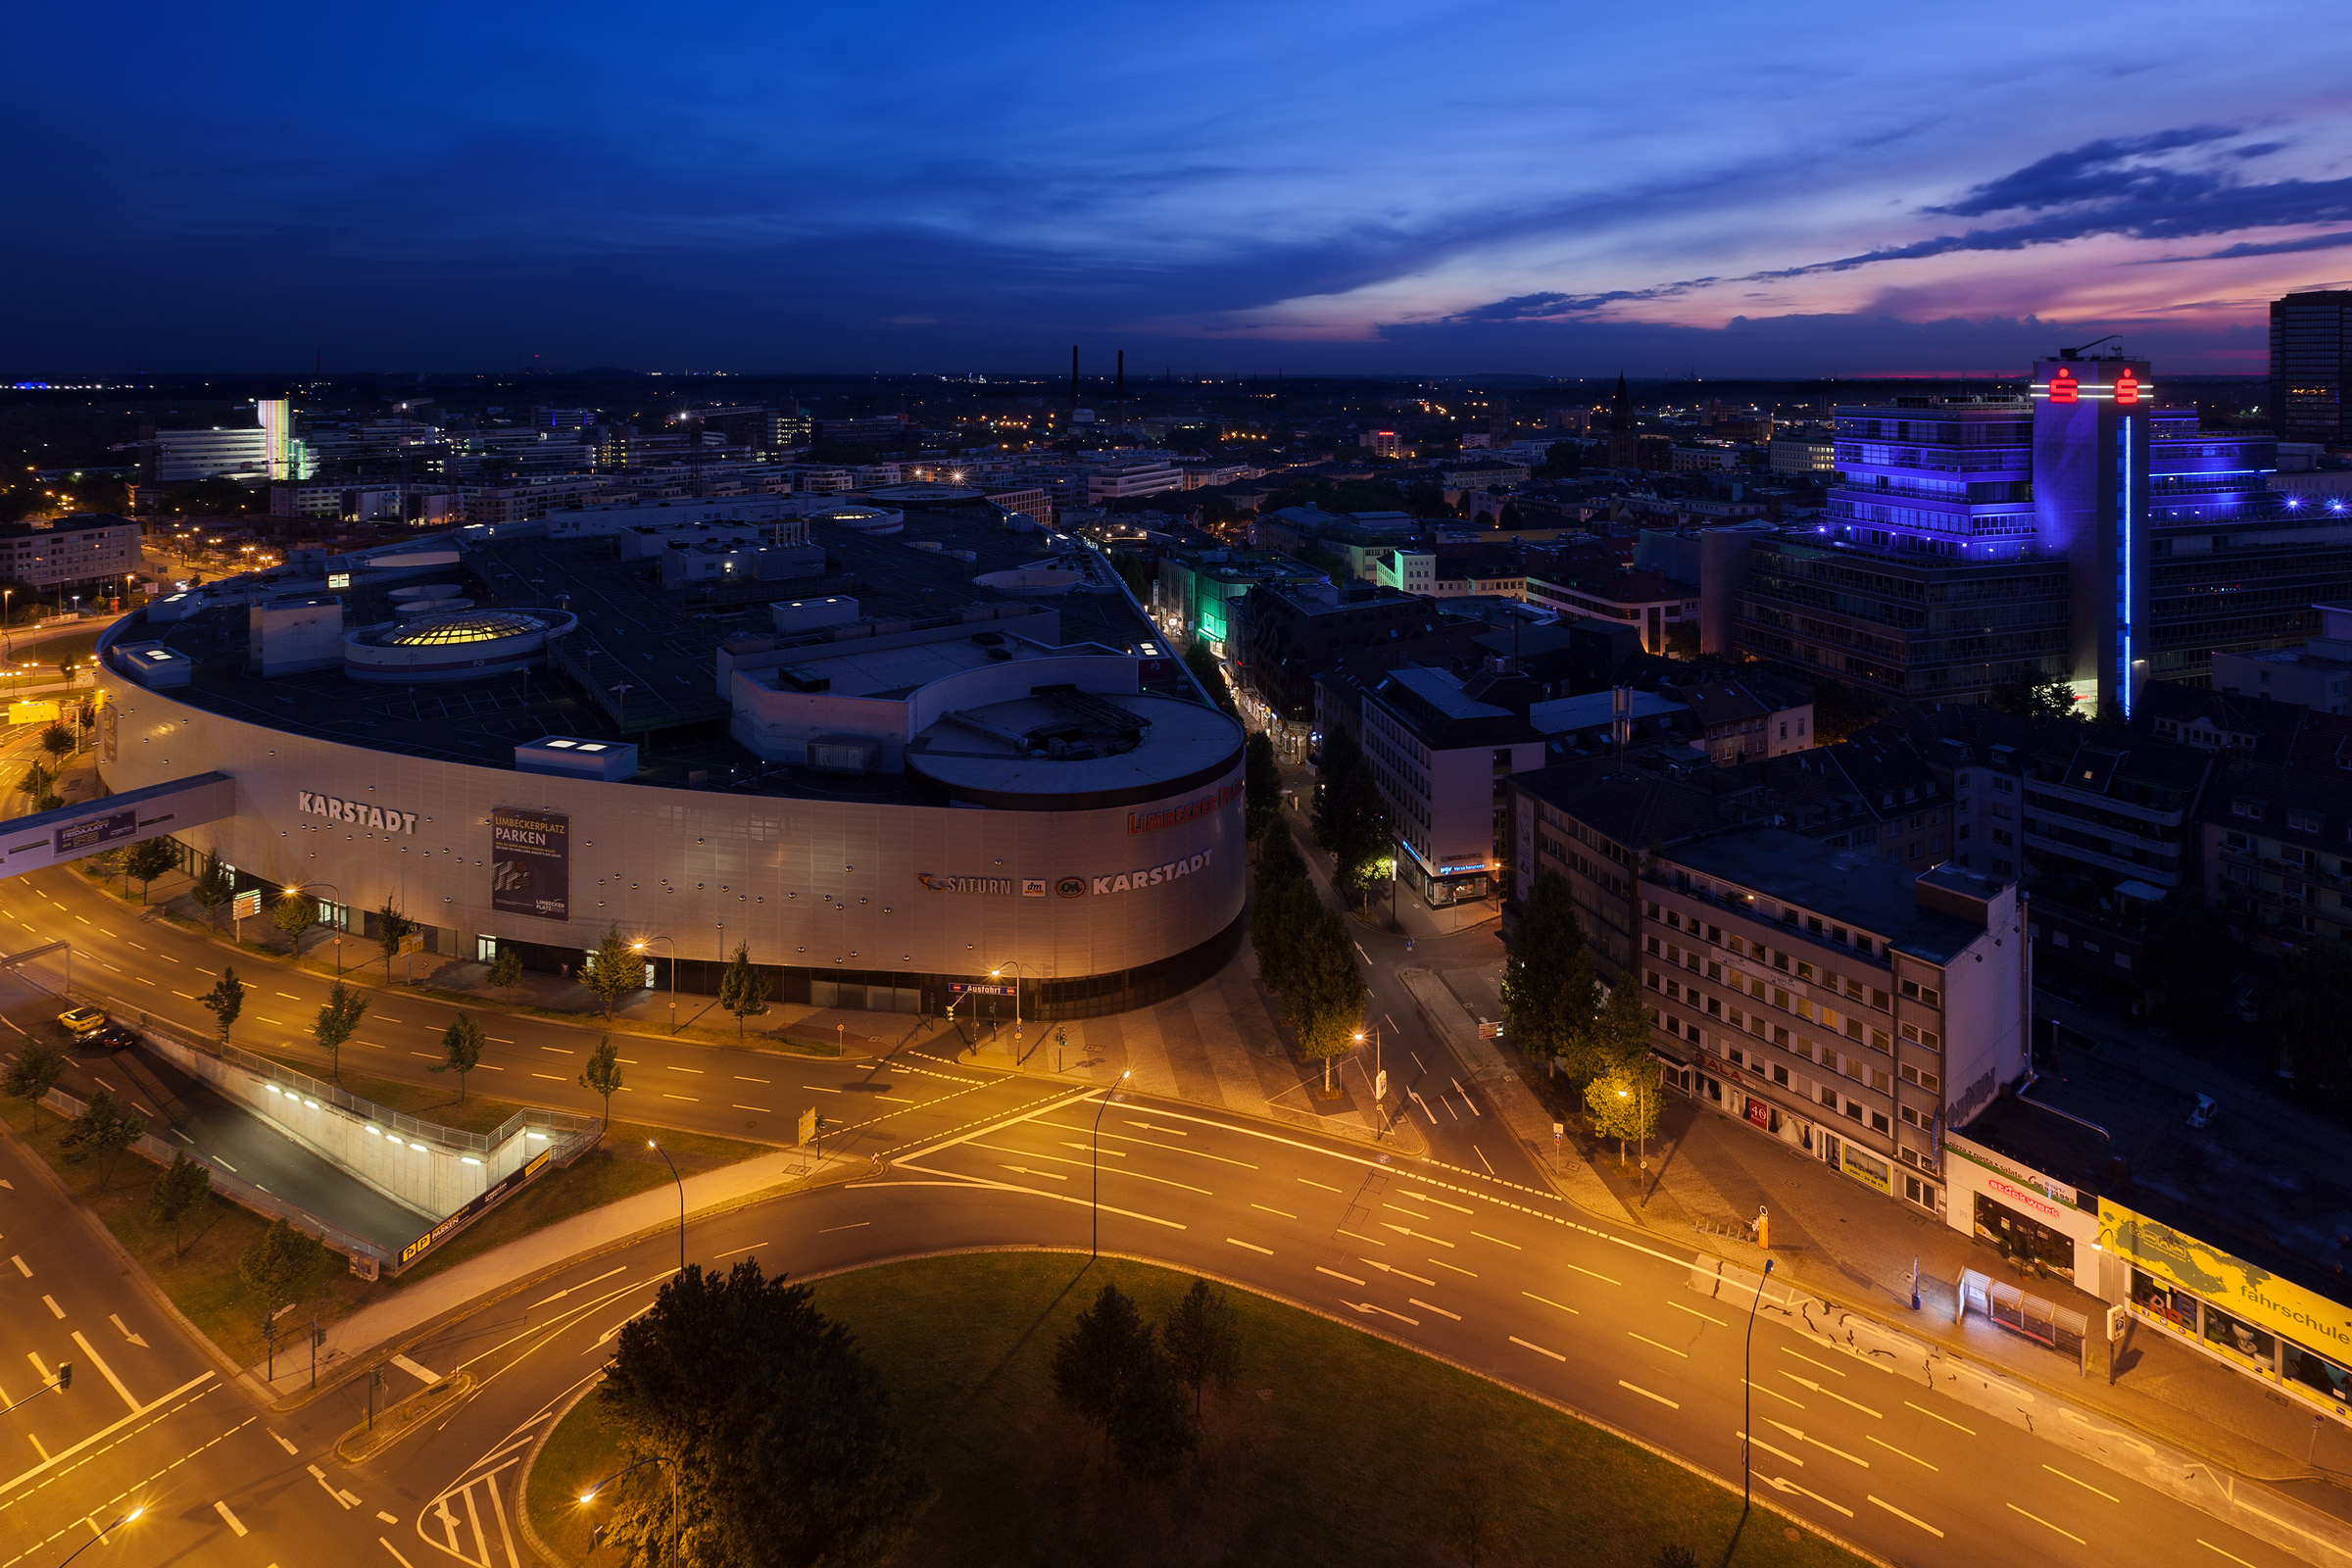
(1565, 189)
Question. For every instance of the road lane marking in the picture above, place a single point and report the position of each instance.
(1419, 1196)
(55, 1310)
(1945, 1419)
(1415, 1301)
(1823, 1365)
(558, 1049)
(282, 1443)
(1151, 1127)
(1526, 1344)
(1466, 1100)
(1284, 1214)
(1921, 1523)
(423, 1374)
(1603, 1278)
(830, 1229)
(2231, 1556)
(1390, 1268)
(689, 1099)
(105, 1371)
(1913, 1457)
(1532, 1296)
(20, 1262)
(741, 1078)
(761, 1108)
(1340, 1191)
(1023, 1170)
(1808, 1383)
(498, 1040)
(2046, 1525)
(550, 1077)
(1818, 1443)
(1775, 1393)
(221, 1508)
(1779, 1485)
(1419, 1236)
(2080, 1482)
(1695, 1312)
(820, 1089)
(584, 1285)
(1337, 1275)
(1440, 1262)
(1766, 1446)
(1253, 1245)
(395, 1550)
(385, 1017)
(1498, 1240)
(1668, 1349)
(289, 996)
(1367, 1306)
(1058, 1159)
(697, 1071)
(388, 1518)
(1670, 1405)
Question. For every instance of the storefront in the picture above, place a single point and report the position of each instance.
(2039, 1224)
(2237, 1312)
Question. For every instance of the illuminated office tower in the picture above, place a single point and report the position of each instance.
(2092, 434)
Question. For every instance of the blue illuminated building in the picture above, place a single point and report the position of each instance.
(2075, 529)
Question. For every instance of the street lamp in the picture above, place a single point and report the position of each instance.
(1640, 1137)
(1105, 1105)
(673, 1176)
(1380, 1083)
(638, 946)
(1748, 1393)
(589, 1497)
(338, 924)
(103, 1534)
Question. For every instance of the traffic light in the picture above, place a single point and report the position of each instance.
(64, 1374)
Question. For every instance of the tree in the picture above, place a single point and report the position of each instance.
(1619, 1036)
(1090, 1363)
(105, 1128)
(1262, 787)
(784, 1447)
(1203, 1339)
(743, 987)
(2037, 695)
(214, 886)
(36, 783)
(178, 1189)
(1360, 840)
(285, 1265)
(34, 1072)
(1325, 999)
(1204, 665)
(293, 913)
(602, 1075)
(148, 860)
(461, 1049)
(612, 967)
(506, 970)
(1548, 989)
(392, 928)
(1624, 1103)
(59, 742)
(1340, 760)
(336, 1021)
(224, 1001)
(1280, 919)
(1155, 1429)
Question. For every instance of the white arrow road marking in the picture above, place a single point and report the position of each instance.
(116, 1320)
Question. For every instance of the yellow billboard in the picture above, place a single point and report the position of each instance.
(33, 712)
(2242, 1289)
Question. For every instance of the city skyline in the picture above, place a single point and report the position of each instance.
(1399, 190)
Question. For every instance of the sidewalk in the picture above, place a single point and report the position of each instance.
(1710, 1175)
(407, 1310)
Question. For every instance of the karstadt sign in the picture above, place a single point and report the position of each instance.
(1071, 887)
(358, 813)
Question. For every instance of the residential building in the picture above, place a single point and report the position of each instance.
(1440, 751)
(2274, 843)
(1380, 443)
(1745, 720)
(531, 498)
(1848, 1008)
(1142, 476)
(87, 548)
(2316, 675)
(2311, 343)
(1289, 634)
(1027, 499)
(1193, 591)
(1591, 821)
(1651, 599)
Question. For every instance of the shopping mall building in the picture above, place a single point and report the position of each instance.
(896, 784)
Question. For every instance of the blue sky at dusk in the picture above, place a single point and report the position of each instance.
(1370, 187)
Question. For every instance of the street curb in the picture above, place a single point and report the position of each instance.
(523, 1482)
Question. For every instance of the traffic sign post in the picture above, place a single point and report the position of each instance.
(244, 903)
(1560, 1131)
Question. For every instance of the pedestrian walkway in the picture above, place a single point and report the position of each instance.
(402, 1312)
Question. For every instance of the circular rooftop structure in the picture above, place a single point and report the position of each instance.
(454, 644)
(1062, 750)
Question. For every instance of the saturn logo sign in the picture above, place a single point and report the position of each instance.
(1071, 887)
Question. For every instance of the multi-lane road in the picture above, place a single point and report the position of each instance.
(1459, 1258)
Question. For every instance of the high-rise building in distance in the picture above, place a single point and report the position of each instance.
(2311, 340)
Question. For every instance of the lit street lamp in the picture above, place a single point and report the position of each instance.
(337, 924)
(103, 1534)
(1380, 1083)
(1105, 1105)
(1641, 1138)
(639, 947)
(589, 1497)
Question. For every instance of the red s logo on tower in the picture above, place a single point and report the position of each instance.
(2127, 389)
(2063, 388)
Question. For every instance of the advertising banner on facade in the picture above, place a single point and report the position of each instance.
(2242, 1289)
(530, 862)
(92, 832)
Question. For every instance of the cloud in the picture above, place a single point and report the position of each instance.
(2283, 247)
(2106, 169)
